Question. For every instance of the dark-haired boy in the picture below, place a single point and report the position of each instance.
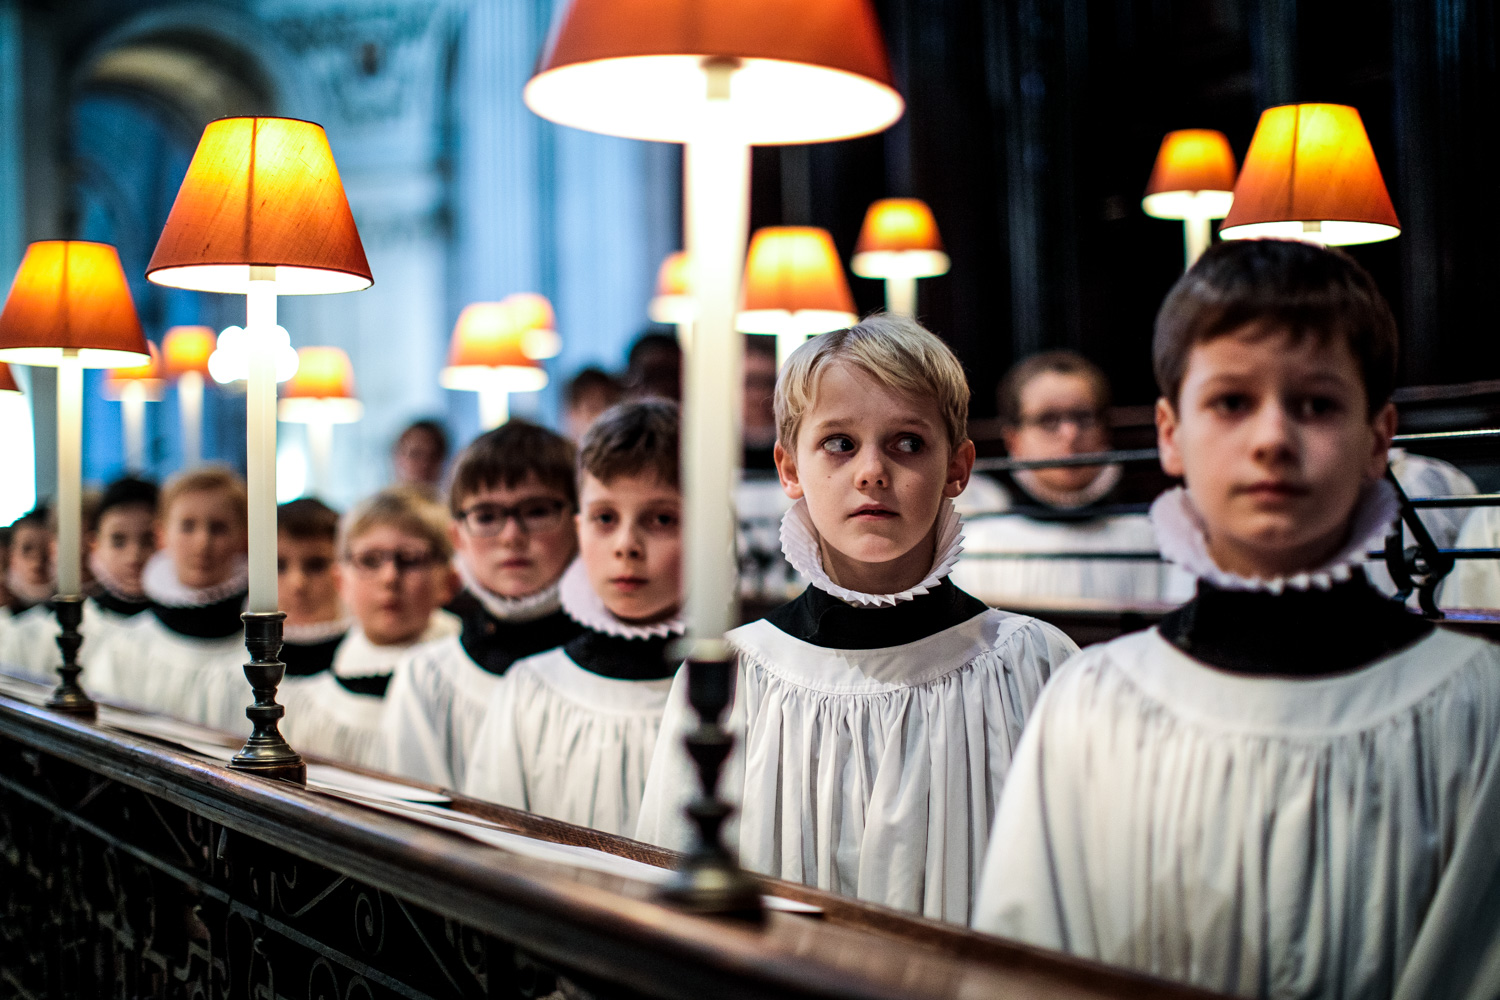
(120, 536)
(570, 733)
(1291, 787)
(28, 568)
(512, 501)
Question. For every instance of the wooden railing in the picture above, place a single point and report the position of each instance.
(129, 866)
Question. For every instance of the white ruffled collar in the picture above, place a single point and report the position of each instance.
(24, 590)
(358, 656)
(1181, 536)
(799, 540)
(160, 583)
(586, 607)
(1107, 479)
(312, 633)
(508, 609)
(107, 580)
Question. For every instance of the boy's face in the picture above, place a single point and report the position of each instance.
(418, 458)
(307, 579)
(393, 581)
(31, 556)
(126, 539)
(204, 532)
(516, 540)
(1059, 417)
(874, 467)
(1275, 444)
(630, 537)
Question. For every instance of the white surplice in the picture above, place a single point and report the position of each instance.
(872, 773)
(1329, 837)
(28, 645)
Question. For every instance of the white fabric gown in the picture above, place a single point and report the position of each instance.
(28, 645)
(433, 710)
(561, 741)
(144, 664)
(1332, 837)
(1474, 583)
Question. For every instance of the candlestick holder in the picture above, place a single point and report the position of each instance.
(710, 881)
(69, 697)
(266, 752)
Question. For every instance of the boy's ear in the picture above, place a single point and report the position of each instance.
(960, 468)
(1166, 437)
(1384, 428)
(786, 470)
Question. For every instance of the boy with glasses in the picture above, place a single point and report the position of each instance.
(570, 733)
(1055, 405)
(512, 502)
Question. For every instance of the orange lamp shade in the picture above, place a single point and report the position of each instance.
(7, 379)
(807, 70)
(147, 378)
(488, 351)
(673, 302)
(1311, 174)
(261, 192)
(533, 315)
(899, 239)
(187, 349)
(1193, 176)
(322, 389)
(70, 294)
(794, 283)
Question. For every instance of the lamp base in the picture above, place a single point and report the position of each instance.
(266, 753)
(710, 881)
(69, 697)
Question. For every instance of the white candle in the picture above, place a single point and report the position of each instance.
(494, 405)
(69, 471)
(320, 454)
(718, 204)
(133, 410)
(260, 435)
(190, 409)
(901, 295)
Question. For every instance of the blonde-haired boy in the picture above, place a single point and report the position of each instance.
(876, 713)
(197, 584)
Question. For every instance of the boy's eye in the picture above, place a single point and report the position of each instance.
(1313, 407)
(911, 444)
(663, 520)
(838, 444)
(1230, 404)
(605, 518)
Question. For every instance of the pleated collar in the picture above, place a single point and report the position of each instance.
(507, 609)
(1182, 538)
(159, 581)
(582, 604)
(799, 541)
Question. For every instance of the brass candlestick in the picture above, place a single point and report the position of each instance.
(69, 696)
(266, 752)
(710, 881)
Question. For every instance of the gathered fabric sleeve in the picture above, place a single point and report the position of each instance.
(496, 769)
(419, 740)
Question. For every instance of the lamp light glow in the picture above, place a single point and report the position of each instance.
(794, 287)
(134, 388)
(1311, 174)
(230, 361)
(186, 349)
(899, 242)
(322, 389)
(1192, 180)
(533, 316)
(488, 355)
(673, 302)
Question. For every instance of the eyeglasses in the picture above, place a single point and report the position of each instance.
(1051, 421)
(372, 561)
(540, 514)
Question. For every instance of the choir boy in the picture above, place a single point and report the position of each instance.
(120, 535)
(396, 574)
(569, 733)
(511, 502)
(876, 713)
(1291, 786)
(197, 585)
(28, 570)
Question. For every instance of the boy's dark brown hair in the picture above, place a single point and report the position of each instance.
(633, 438)
(307, 520)
(1277, 285)
(1008, 393)
(505, 456)
(127, 491)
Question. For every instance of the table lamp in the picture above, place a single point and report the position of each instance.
(320, 395)
(488, 355)
(1193, 180)
(134, 388)
(185, 352)
(899, 242)
(1311, 175)
(69, 308)
(719, 76)
(533, 316)
(673, 302)
(262, 213)
(794, 287)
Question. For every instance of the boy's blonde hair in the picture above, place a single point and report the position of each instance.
(205, 479)
(404, 508)
(899, 353)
